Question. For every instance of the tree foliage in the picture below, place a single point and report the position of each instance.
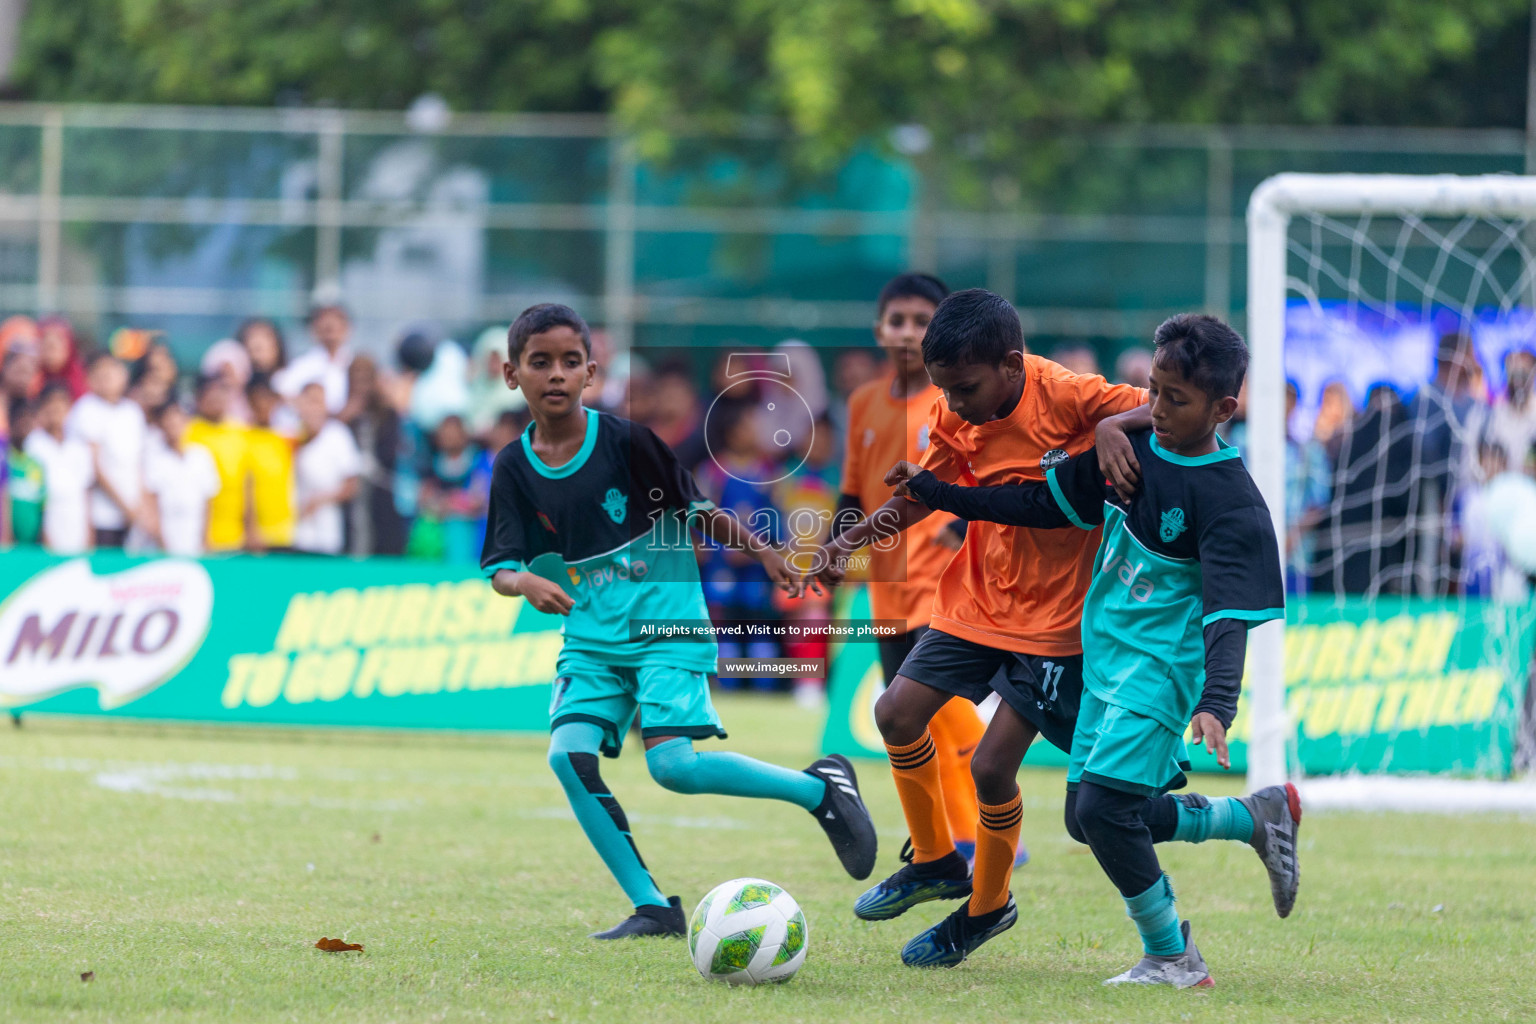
(982, 75)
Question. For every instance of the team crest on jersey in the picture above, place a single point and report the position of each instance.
(1054, 457)
(869, 436)
(922, 438)
(544, 521)
(1172, 526)
(616, 504)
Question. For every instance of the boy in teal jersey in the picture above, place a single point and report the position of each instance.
(1185, 567)
(590, 518)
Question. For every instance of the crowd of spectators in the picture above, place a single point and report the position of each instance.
(1425, 493)
(325, 452)
(330, 451)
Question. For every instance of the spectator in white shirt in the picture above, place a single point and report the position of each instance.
(180, 480)
(1512, 423)
(326, 363)
(326, 469)
(68, 472)
(113, 427)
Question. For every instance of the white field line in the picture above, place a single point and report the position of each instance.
(1418, 794)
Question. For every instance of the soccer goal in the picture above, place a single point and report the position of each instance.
(1390, 319)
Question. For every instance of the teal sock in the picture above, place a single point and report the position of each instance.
(1223, 817)
(573, 755)
(1156, 919)
(678, 767)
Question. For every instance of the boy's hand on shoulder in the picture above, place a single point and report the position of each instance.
(547, 596)
(1116, 457)
(899, 475)
(1206, 726)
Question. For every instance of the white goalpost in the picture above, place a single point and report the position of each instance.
(1410, 255)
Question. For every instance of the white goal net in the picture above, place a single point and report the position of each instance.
(1392, 429)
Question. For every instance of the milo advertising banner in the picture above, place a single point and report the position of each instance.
(281, 640)
(1398, 685)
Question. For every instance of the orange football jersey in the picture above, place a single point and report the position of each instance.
(882, 431)
(1013, 588)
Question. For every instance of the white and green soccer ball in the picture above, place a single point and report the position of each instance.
(747, 932)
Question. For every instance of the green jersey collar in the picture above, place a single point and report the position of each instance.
(580, 459)
(1222, 453)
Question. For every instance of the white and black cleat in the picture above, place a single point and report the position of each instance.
(1187, 970)
(843, 816)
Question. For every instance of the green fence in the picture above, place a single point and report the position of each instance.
(189, 219)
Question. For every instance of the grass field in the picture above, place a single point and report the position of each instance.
(192, 870)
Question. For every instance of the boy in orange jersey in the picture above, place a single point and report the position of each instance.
(1005, 614)
(888, 422)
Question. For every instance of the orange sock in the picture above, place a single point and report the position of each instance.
(916, 771)
(996, 842)
(956, 730)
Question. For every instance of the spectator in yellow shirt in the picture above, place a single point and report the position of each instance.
(273, 510)
(229, 443)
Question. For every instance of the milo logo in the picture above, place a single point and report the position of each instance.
(124, 633)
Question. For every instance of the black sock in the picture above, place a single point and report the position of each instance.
(951, 865)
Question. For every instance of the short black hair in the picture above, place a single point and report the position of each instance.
(58, 387)
(546, 316)
(973, 326)
(912, 286)
(158, 412)
(99, 356)
(206, 381)
(1205, 351)
(320, 309)
(259, 382)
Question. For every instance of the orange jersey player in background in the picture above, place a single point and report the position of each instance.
(1006, 611)
(888, 422)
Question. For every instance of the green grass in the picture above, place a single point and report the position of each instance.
(193, 869)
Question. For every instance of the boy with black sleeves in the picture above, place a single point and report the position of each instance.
(590, 518)
(1185, 567)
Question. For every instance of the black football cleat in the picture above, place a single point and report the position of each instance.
(667, 922)
(843, 816)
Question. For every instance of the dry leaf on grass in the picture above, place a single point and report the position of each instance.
(337, 946)
(87, 975)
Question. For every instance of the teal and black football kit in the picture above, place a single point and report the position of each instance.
(1183, 570)
(615, 517)
(611, 526)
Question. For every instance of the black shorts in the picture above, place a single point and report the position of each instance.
(894, 651)
(1045, 691)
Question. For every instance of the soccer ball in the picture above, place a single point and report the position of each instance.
(747, 932)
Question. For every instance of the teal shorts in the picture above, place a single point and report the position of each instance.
(670, 701)
(1122, 750)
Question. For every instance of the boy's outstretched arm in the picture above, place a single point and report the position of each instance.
(725, 529)
(885, 522)
(1042, 506)
(545, 595)
(1022, 504)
